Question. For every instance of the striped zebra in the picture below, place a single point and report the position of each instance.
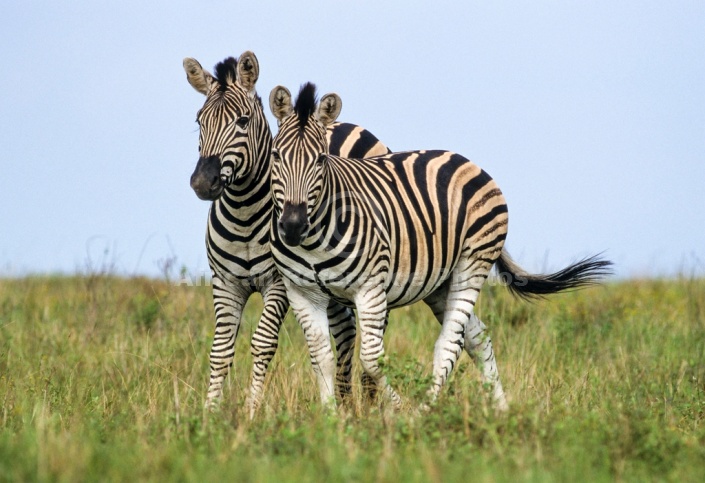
(386, 232)
(233, 171)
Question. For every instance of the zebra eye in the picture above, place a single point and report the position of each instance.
(275, 155)
(321, 158)
(242, 121)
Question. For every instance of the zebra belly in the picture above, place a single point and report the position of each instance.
(342, 284)
(405, 289)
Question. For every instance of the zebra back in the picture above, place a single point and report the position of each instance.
(351, 141)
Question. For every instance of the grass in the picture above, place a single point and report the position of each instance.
(103, 378)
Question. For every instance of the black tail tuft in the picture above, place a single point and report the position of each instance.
(587, 271)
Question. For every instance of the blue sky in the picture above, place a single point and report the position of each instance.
(590, 115)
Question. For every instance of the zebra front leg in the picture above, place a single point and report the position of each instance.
(342, 327)
(228, 302)
(265, 340)
(310, 310)
(369, 386)
(372, 313)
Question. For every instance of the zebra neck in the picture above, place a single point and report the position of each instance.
(334, 191)
(250, 200)
(261, 171)
(260, 147)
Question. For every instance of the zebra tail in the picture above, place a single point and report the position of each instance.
(588, 271)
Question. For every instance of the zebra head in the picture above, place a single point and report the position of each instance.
(299, 155)
(229, 122)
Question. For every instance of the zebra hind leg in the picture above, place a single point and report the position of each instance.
(462, 291)
(265, 340)
(228, 303)
(477, 344)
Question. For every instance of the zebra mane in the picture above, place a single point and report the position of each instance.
(305, 103)
(226, 72)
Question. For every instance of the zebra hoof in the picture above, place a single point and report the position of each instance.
(252, 407)
(212, 405)
(501, 406)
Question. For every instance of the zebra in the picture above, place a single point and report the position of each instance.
(233, 171)
(386, 232)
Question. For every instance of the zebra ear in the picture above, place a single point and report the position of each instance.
(248, 72)
(280, 103)
(199, 78)
(329, 109)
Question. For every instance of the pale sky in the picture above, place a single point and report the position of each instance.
(590, 116)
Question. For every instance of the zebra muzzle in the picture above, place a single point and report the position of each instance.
(293, 224)
(205, 180)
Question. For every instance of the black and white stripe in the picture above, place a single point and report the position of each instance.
(233, 171)
(389, 231)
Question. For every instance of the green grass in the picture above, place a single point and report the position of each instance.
(104, 379)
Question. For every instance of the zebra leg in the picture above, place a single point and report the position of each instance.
(265, 340)
(369, 386)
(342, 327)
(463, 290)
(477, 343)
(313, 319)
(228, 301)
(372, 313)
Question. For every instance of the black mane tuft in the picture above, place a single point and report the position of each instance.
(226, 72)
(305, 103)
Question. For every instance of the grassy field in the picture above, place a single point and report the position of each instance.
(103, 378)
